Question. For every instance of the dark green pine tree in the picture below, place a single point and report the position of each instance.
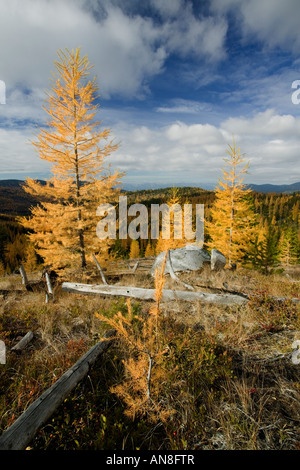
(289, 247)
(264, 253)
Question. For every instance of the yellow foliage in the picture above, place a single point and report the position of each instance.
(134, 249)
(2, 269)
(144, 374)
(231, 227)
(173, 242)
(30, 259)
(64, 222)
(14, 251)
(150, 251)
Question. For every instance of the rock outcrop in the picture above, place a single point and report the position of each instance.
(217, 261)
(187, 258)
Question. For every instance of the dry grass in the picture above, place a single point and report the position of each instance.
(257, 408)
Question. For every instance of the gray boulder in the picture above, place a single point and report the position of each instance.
(217, 261)
(187, 258)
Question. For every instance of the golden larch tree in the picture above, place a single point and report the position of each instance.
(145, 374)
(30, 260)
(150, 250)
(134, 249)
(2, 269)
(174, 204)
(63, 224)
(232, 217)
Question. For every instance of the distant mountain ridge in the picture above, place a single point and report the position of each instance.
(261, 188)
(11, 183)
(275, 188)
(15, 183)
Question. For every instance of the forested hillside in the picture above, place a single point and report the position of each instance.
(278, 213)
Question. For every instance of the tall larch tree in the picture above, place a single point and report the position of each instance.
(172, 218)
(150, 250)
(64, 223)
(134, 249)
(232, 217)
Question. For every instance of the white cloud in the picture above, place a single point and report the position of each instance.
(122, 48)
(201, 37)
(275, 22)
(195, 134)
(18, 155)
(168, 8)
(179, 105)
(180, 153)
(195, 152)
(130, 49)
(127, 50)
(267, 124)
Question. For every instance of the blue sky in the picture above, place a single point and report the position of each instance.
(177, 79)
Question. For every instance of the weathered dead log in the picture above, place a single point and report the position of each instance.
(135, 267)
(6, 292)
(24, 276)
(149, 294)
(100, 270)
(224, 290)
(49, 285)
(2, 352)
(23, 342)
(49, 291)
(22, 431)
(31, 286)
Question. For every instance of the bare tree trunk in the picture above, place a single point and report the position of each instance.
(79, 217)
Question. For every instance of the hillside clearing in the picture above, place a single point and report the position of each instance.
(245, 396)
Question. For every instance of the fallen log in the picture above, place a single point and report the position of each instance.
(22, 431)
(23, 342)
(6, 292)
(149, 294)
(31, 286)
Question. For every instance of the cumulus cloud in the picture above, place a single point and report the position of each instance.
(274, 22)
(130, 42)
(179, 153)
(200, 37)
(123, 49)
(195, 152)
(127, 50)
(268, 124)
